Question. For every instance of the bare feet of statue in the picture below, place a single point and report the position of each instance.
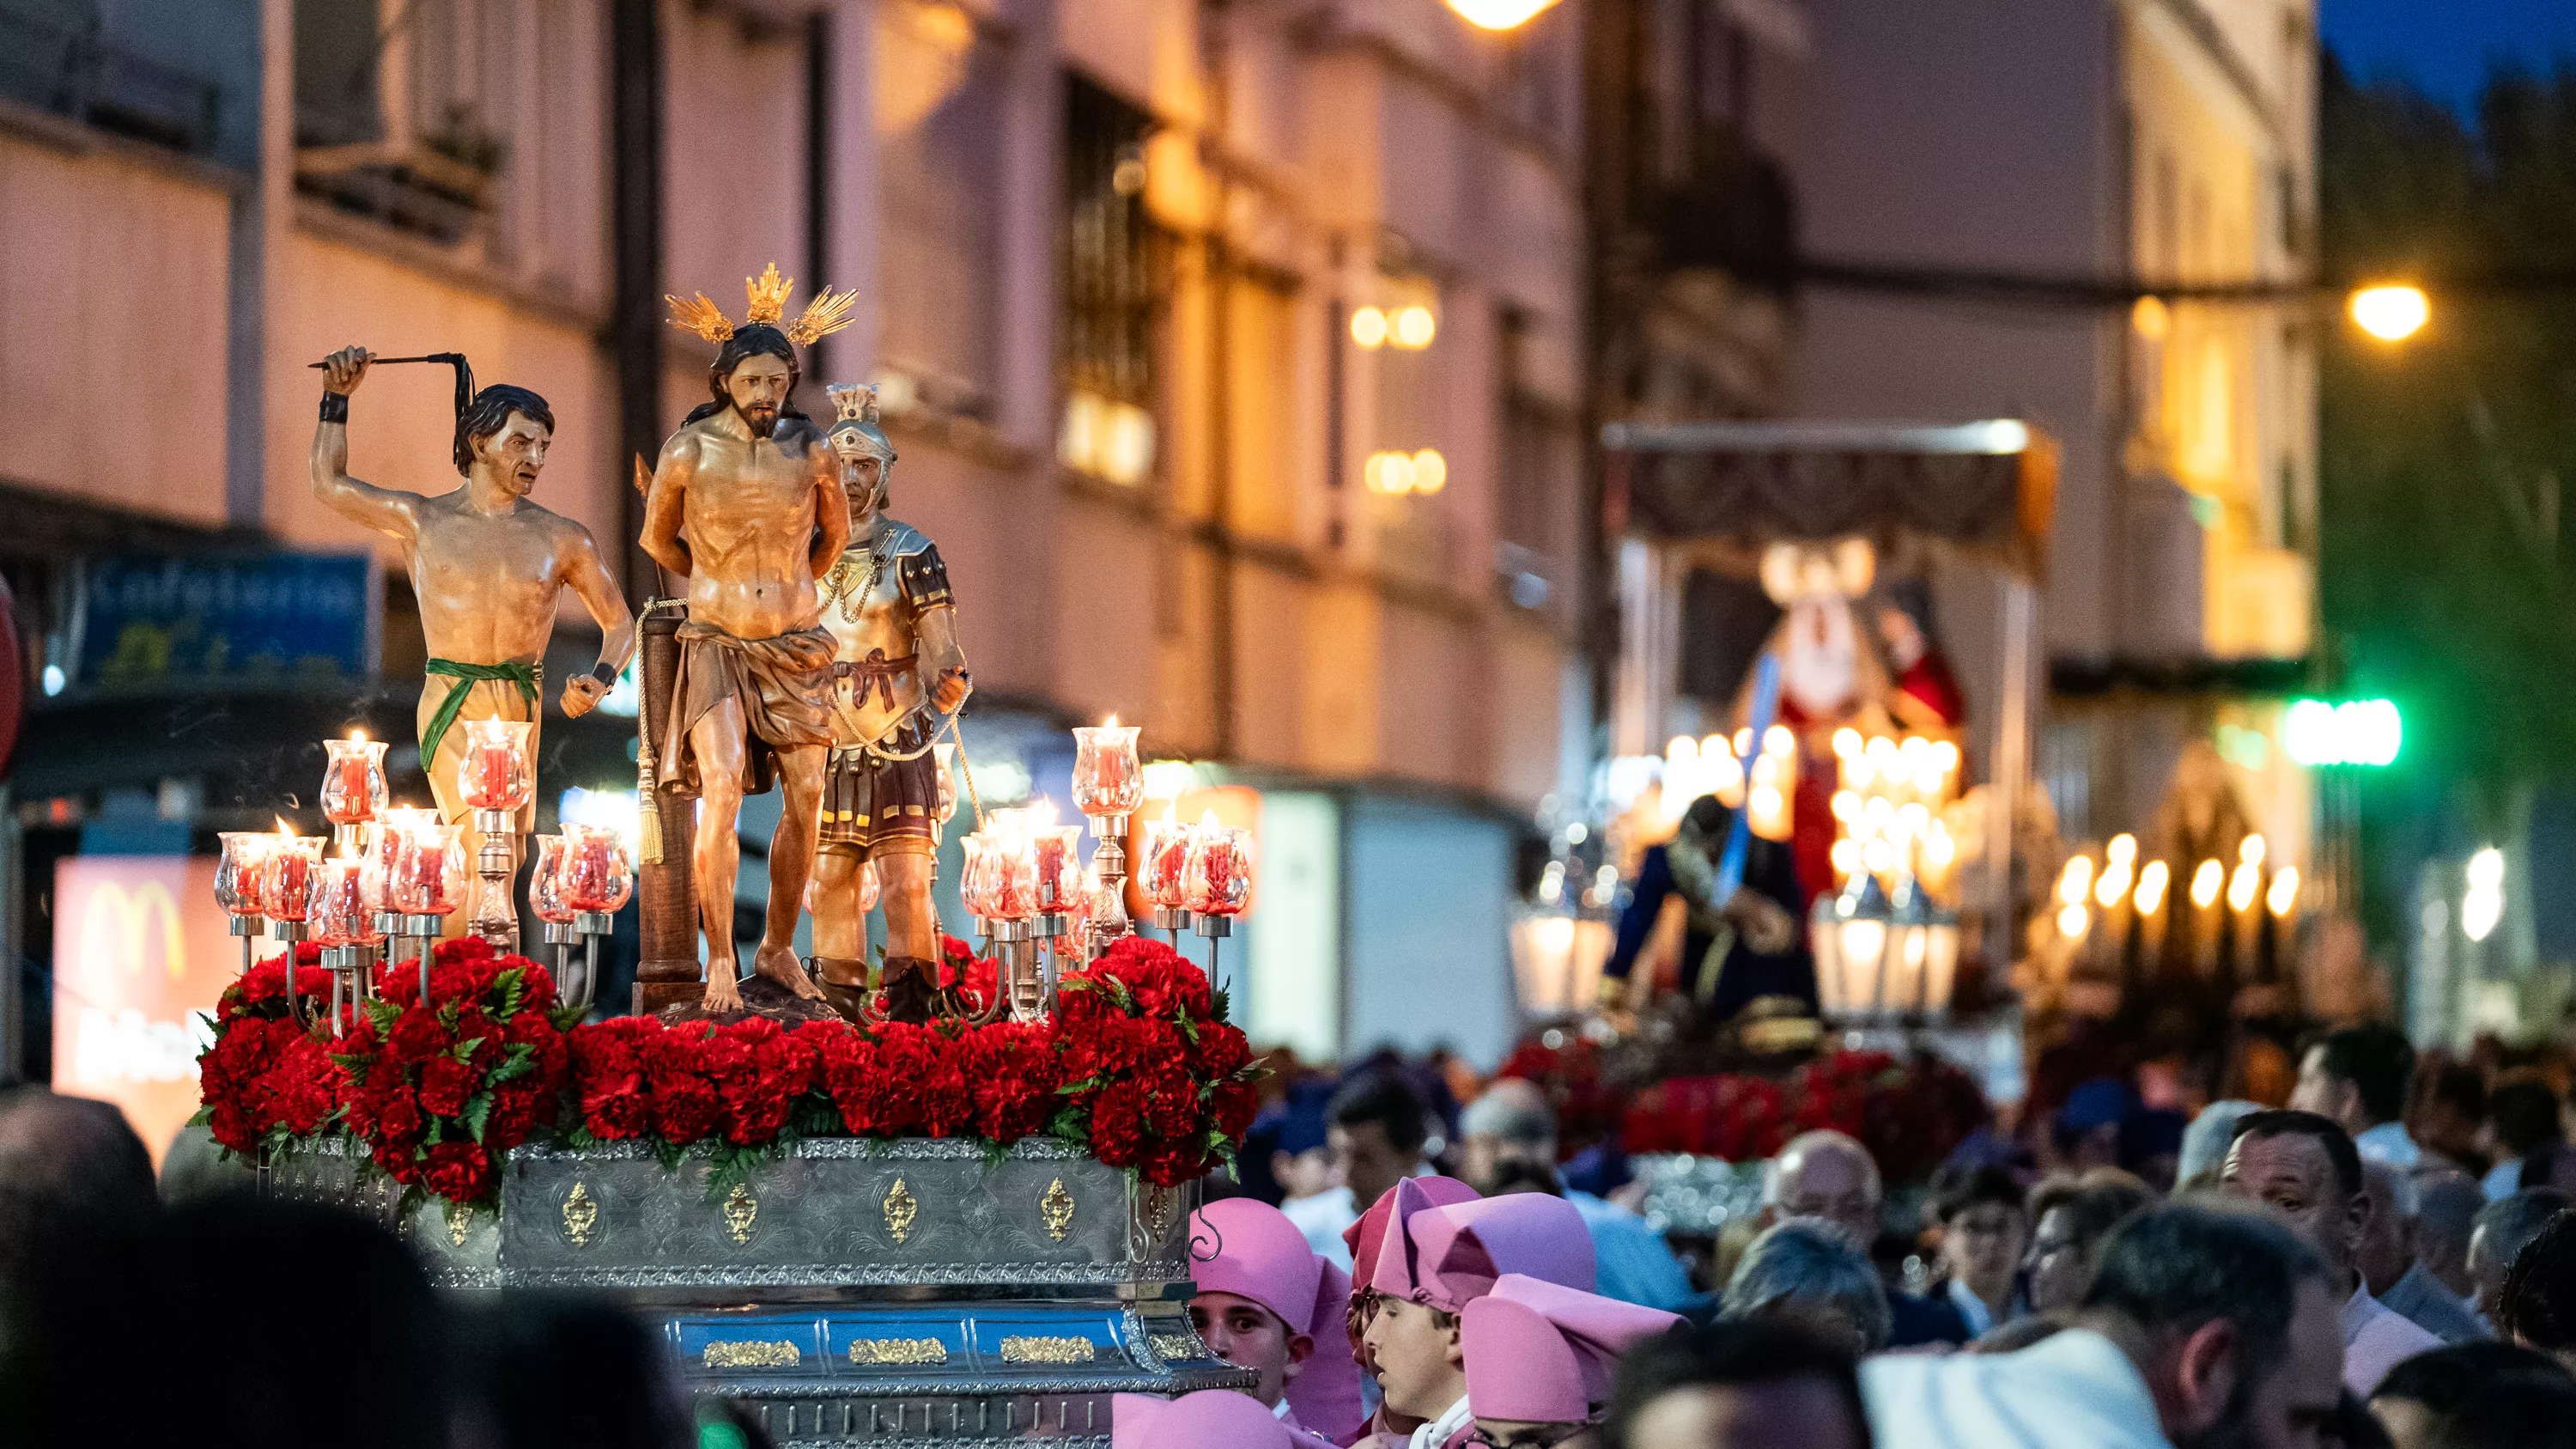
(722, 994)
(779, 964)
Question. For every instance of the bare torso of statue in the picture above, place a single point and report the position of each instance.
(749, 510)
(487, 583)
(746, 504)
(487, 567)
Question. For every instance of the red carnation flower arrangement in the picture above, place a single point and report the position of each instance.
(1155, 1078)
(1138, 1065)
(265, 1079)
(1569, 1071)
(973, 977)
(438, 1090)
(1908, 1113)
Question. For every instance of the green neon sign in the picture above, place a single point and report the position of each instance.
(2316, 732)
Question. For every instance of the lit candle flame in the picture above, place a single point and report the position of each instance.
(357, 737)
(1208, 820)
(2284, 895)
(1110, 723)
(2205, 883)
(284, 830)
(2151, 887)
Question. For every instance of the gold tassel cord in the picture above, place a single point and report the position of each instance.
(965, 771)
(648, 803)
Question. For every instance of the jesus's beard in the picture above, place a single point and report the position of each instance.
(761, 419)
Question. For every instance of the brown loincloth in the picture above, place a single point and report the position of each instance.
(783, 684)
(874, 806)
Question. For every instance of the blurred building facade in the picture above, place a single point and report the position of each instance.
(1140, 283)
(2170, 141)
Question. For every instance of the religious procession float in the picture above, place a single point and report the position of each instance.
(943, 1196)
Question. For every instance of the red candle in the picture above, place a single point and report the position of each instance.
(495, 772)
(289, 877)
(1107, 778)
(351, 804)
(1220, 870)
(341, 916)
(1050, 856)
(595, 873)
(1015, 884)
(423, 881)
(1167, 862)
(353, 780)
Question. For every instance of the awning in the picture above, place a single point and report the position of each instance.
(1989, 487)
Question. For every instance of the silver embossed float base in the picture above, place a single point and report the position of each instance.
(921, 1291)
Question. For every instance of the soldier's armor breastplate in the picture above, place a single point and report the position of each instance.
(873, 629)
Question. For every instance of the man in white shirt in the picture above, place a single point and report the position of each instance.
(2202, 1327)
(2306, 1170)
(2358, 1077)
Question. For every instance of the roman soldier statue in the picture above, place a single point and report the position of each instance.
(897, 671)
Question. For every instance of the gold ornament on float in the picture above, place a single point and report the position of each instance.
(766, 304)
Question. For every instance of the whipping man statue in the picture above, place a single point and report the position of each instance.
(898, 670)
(485, 564)
(746, 504)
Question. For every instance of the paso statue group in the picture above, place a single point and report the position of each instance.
(818, 651)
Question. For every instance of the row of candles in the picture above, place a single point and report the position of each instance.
(401, 871)
(409, 863)
(2222, 923)
(1022, 866)
(1878, 779)
(1889, 803)
(1026, 884)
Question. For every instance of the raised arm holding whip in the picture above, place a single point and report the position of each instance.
(486, 566)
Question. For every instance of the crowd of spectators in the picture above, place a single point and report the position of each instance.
(1411, 1259)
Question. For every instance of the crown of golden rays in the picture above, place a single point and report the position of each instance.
(827, 313)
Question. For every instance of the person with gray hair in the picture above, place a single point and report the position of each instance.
(2204, 1142)
(1507, 1143)
(2447, 1206)
(2202, 1327)
(2388, 1265)
(2503, 1228)
(1808, 1272)
(1828, 1175)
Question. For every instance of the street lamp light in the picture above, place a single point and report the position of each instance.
(1498, 14)
(2391, 313)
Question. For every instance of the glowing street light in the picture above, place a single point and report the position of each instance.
(2355, 732)
(1498, 14)
(1368, 327)
(2482, 907)
(2391, 313)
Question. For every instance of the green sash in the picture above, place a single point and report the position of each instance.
(523, 675)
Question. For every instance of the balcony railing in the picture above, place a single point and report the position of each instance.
(72, 71)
